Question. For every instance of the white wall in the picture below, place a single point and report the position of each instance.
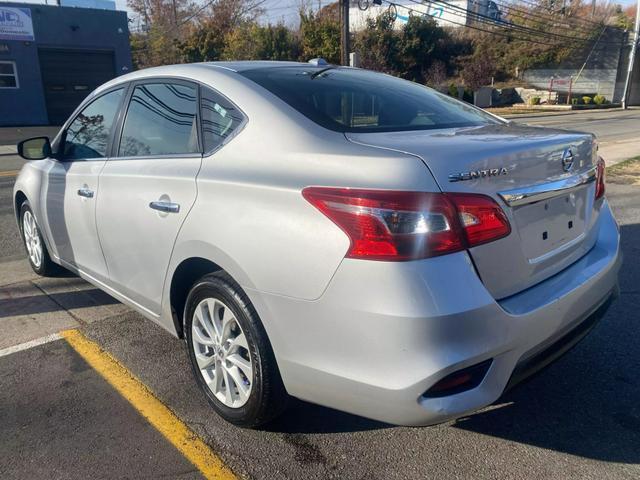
(444, 15)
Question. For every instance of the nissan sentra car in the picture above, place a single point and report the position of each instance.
(327, 233)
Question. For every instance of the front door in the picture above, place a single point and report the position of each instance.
(72, 186)
(147, 190)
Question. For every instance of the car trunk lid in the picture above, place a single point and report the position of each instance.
(543, 179)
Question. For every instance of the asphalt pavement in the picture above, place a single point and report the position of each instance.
(618, 131)
(579, 418)
(61, 420)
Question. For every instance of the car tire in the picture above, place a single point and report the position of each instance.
(37, 252)
(230, 354)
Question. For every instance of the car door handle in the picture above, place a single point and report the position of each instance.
(85, 192)
(165, 207)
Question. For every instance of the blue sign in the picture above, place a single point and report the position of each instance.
(15, 24)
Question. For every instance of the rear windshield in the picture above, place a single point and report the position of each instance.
(352, 100)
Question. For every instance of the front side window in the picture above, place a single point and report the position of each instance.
(219, 119)
(8, 75)
(88, 135)
(161, 120)
(350, 100)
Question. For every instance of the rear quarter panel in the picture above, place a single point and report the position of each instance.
(250, 206)
(250, 217)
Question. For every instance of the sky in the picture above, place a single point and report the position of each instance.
(276, 10)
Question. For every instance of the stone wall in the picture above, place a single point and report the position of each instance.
(603, 63)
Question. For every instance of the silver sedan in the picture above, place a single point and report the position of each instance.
(332, 234)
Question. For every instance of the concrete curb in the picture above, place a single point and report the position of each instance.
(8, 150)
(560, 113)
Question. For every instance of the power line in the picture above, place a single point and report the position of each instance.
(537, 5)
(492, 32)
(528, 15)
(493, 22)
(486, 20)
(464, 14)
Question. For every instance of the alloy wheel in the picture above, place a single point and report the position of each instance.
(32, 239)
(222, 352)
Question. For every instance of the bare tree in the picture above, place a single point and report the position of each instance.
(436, 74)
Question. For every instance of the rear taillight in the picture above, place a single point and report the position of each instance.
(600, 178)
(396, 226)
(481, 217)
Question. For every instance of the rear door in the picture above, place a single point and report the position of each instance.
(149, 186)
(505, 162)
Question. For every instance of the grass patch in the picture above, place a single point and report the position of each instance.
(626, 173)
(524, 110)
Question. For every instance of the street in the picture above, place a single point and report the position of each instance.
(618, 131)
(578, 419)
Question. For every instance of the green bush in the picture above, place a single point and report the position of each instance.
(586, 100)
(453, 90)
(599, 99)
(574, 101)
(534, 101)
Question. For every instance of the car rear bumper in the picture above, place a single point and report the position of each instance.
(384, 333)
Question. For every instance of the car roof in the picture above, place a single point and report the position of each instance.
(241, 66)
(191, 69)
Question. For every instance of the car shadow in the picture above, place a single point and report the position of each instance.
(302, 418)
(54, 302)
(587, 403)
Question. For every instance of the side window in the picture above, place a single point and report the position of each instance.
(219, 119)
(88, 135)
(161, 120)
(8, 75)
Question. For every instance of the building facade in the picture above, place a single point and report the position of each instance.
(454, 13)
(52, 57)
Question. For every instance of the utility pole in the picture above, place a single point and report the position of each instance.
(632, 58)
(344, 32)
(175, 14)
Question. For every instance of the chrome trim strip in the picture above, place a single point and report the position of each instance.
(544, 191)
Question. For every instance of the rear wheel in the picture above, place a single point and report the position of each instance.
(230, 353)
(37, 253)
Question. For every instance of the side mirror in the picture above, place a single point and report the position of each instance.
(37, 148)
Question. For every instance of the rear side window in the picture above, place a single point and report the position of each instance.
(351, 100)
(219, 119)
(161, 120)
(88, 135)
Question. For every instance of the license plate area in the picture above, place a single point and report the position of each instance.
(551, 225)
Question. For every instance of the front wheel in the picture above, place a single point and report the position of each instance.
(230, 353)
(37, 253)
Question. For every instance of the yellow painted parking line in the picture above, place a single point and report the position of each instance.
(11, 173)
(143, 400)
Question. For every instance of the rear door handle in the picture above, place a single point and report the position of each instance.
(167, 207)
(85, 192)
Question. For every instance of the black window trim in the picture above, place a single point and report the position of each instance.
(116, 132)
(60, 139)
(338, 128)
(115, 146)
(14, 74)
(236, 131)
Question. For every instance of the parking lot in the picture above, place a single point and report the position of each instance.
(104, 393)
